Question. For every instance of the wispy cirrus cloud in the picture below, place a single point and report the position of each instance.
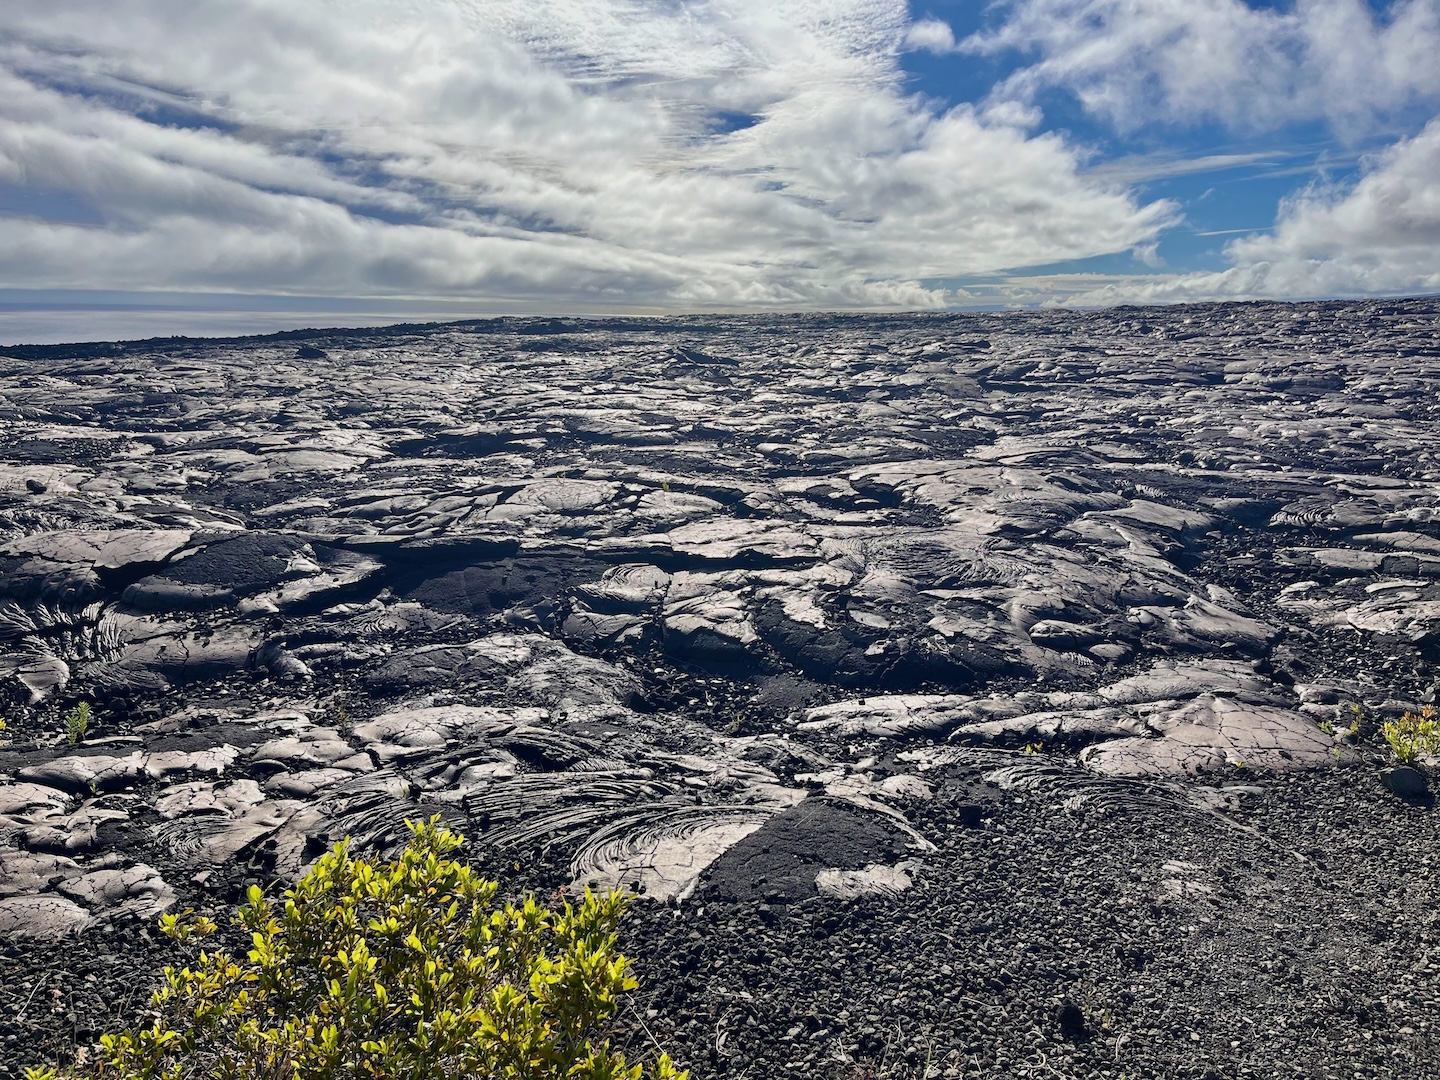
(1163, 164)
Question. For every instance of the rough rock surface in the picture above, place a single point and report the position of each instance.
(994, 692)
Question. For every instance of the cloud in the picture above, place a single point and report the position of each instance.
(590, 153)
(1363, 71)
(1379, 236)
(1168, 163)
(1135, 62)
(930, 35)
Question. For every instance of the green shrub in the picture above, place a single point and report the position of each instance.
(401, 971)
(1413, 735)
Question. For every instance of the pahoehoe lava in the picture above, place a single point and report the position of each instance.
(988, 694)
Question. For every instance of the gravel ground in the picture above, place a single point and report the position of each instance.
(1297, 935)
(1291, 933)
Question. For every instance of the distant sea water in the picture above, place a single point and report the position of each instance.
(49, 317)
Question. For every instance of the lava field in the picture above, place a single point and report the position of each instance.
(961, 694)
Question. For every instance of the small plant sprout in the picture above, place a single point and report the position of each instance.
(1357, 720)
(77, 722)
(175, 929)
(1414, 735)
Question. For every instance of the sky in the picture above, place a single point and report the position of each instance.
(234, 166)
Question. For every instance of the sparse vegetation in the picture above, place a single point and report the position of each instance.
(1414, 735)
(1357, 721)
(405, 971)
(77, 723)
(1351, 731)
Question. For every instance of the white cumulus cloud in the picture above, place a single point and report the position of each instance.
(930, 35)
(1155, 65)
(1380, 236)
(1140, 61)
(592, 153)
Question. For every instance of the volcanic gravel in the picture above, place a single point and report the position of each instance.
(1297, 936)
